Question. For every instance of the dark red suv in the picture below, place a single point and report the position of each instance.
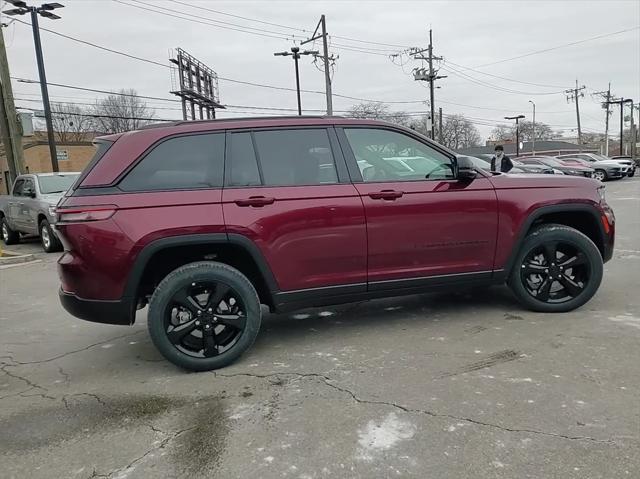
(207, 220)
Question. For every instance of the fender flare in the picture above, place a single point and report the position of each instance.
(545, 210)
(143, 257)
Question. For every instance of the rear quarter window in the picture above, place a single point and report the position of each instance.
(184, 162)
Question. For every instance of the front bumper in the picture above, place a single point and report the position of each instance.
(97, 311)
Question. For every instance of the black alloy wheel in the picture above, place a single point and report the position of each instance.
(557, 269)
(204, 315)
(555, 272)
(205, 319)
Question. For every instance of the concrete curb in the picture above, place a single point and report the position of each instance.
(10, 257)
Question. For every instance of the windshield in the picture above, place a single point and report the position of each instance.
(550, 162)
(56, 183)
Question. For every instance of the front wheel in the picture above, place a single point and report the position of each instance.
(632, 173)
(204, 315)
(48, 239)
(558, 269)
(600, 175)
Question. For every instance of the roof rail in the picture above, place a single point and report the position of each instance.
(243, 118)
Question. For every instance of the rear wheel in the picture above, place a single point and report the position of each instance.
(632, 173)
(204, 315)
(8, 235)
(600, 175)
(50, 243)
(558, 269)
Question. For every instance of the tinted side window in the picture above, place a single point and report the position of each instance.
(184, 162)
(384, 155)
(17, 187)
(296, 157)
(242, 164)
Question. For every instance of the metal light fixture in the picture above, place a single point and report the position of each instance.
(295, 53)
(517, 119)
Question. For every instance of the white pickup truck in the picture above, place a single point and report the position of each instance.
(30, 208)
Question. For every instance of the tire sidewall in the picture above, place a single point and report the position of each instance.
(12, 236)
(565, 235)
(195, 272)
(603, 173)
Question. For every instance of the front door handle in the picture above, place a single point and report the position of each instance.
(257, 201)
(386, 195)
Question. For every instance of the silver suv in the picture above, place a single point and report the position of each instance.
(606, 168)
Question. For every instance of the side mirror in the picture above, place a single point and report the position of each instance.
(466, 169)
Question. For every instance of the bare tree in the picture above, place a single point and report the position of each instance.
(71, 122)
(378, 111)
(508, 133)
(458, 132)
(123, 112)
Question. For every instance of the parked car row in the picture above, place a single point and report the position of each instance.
(590, 165)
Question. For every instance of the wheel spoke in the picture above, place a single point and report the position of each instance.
(215, 297)
(237, 321)
(532, 268)
(550, 252)
(210, 343)
(184, 299)
(577, 260)
(176, 334)
(570, 286)
(544, 290)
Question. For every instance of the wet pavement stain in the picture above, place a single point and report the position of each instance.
(197, 440)
(77, 415)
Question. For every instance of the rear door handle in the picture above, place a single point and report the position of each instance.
(386, 195)
(255, 201)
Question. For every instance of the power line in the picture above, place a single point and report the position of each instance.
(465, 68)
(286, 26)
(471, 79)
(558, 46)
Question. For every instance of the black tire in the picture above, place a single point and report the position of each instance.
(585, 277)
(8, 235)
(50, 243)
(600, 175)
(632, 173)
(162, 310)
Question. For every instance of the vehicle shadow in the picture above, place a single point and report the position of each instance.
(458, 306)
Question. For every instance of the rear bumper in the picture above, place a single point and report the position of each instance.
(96, 311)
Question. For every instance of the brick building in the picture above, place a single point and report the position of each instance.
(72, 156)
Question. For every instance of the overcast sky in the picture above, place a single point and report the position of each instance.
(466, 34)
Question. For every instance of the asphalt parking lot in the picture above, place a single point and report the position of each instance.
(429, 386)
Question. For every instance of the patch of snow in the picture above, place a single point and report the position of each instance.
(377, 437)
(627, 319)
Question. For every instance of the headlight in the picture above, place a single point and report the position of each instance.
(52, 211)
(601, 193)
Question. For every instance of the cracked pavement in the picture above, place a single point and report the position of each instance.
(435, 385)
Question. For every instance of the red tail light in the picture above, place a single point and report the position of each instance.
(81, 214)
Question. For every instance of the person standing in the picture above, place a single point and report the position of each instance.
(501, 162)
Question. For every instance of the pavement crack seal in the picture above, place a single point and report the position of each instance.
(331, 383)
(123, 471)
(29, 383)
(60, 356)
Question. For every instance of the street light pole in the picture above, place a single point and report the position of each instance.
(517, 119)
(295, 53)
(533, 139)
(43, 10)
(296, 57)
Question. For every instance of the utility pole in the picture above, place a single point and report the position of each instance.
(516, 118)
(440, 136)
(322, 24)
(621, 102)
(573, 95)
(606, 104)
(295, 53)
(533, 138)
(430, 76)
(632, 134)
(9, 128)
(43, 10)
